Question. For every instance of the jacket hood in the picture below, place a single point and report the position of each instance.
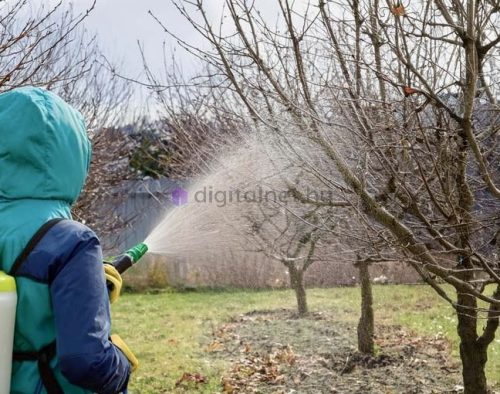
(44, 148)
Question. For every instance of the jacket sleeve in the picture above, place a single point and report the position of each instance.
(81, 308)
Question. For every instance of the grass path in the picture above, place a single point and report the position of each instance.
(170, 331)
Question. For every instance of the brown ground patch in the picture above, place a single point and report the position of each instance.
(275, 352)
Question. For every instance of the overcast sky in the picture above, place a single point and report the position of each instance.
(120, 24)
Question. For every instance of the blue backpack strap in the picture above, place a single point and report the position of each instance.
(47, 353)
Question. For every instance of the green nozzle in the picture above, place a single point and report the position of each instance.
(137, 251)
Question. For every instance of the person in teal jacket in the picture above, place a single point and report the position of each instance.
(63, 302)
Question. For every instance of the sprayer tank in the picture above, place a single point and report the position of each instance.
(8, 301)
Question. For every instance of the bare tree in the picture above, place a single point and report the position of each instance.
(50, 47)
(395, 108)
(289, 235)
(45, 47)
(366, 324)
(196, 122)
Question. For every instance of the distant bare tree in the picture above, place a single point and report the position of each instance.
(289, 234)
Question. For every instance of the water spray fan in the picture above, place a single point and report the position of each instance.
(129, 258)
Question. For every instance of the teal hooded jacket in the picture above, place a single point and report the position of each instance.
(44, 160)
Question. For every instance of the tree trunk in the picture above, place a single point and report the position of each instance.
(366, 321)
(472, 353)
(297, 284)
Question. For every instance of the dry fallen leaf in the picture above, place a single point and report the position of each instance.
(227, 387)
(215, 346)
(191, 377)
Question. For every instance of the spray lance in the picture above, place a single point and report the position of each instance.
(129, 258)
(126, 260)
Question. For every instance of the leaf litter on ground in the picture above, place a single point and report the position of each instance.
(276, 352)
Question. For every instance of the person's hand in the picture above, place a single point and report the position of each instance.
(120, 344)
(113, 281)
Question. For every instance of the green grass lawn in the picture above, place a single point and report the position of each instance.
(170, 331)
